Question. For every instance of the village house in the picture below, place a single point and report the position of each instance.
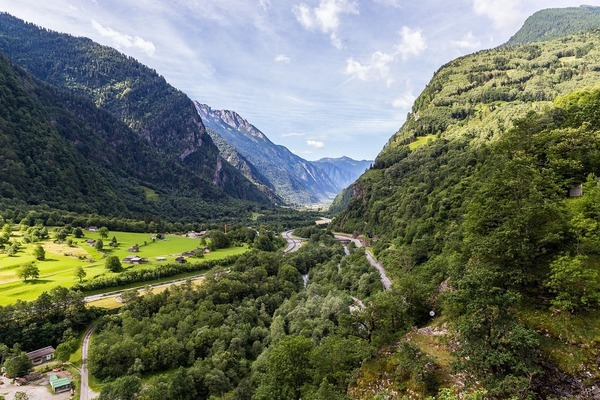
(41, 355)
(134, 249)
(134, 260)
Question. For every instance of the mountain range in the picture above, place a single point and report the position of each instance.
(143, 142)
(294, 179)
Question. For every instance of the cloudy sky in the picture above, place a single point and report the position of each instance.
(321, 77)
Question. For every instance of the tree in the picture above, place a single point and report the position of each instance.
(287, 370)
(113, 242)
(219, 239)
(124, 388)
(64, 350)
(19, 365)
(103, 232)
(80, 273)
(113, 264)
(78, 233)
(28, 270)
(39, 252)
(99, 245)
(576, 283)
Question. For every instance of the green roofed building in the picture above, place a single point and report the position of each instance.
(59, 384)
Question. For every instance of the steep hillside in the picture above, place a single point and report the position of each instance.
(344, 170)
(294, 179)
(468, 207)
(131, 92)
(61, 151)
(555, 23)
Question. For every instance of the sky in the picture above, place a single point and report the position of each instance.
(325, 78)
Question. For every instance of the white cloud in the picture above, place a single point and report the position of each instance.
(505, 14)
(468, 41)
(282, 58)
(405, 101)
(412, 44)
(293, 134)
(377, 69)
(391, 3)
(122, 40)
(315, 143)
(325, 17)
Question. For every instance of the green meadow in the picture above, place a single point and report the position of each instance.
(61, 261)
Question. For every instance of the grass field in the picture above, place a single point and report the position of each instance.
(58, 269)
(421, 141)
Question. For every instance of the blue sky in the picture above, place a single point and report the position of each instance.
(324, 78)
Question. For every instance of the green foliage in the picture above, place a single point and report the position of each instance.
(125, 388)
(287, 369)
(65, 349)
(80, 273)
(28, 270)
(556, 23)
(416, 371)
(18, 365)
(219, 239)
(575, 281)
(496, 349)
(113, 264)
(44, 321)
(144, 275)
(39, 253)
(99, 245)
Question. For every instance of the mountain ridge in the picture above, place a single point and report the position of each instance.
(293, 178)
(135, 94)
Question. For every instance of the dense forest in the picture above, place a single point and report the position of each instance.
(135, 137)
(555, 23)
(482, 211)
(483, 208)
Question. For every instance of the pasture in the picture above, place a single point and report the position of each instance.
(61, 261)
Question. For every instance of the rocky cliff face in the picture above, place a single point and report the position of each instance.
(294, 179)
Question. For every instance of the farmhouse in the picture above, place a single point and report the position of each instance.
(134, 260)
(91, 242)
(59, 384)
(134, 249)
(180, 259)
(161, 258)
(41, 355)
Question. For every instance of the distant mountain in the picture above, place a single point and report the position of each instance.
(555, 23)
(295, 179)
(132, 93)
(344, 170)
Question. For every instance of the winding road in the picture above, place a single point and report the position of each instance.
(294, 243)
(385, 281)
(85, 392)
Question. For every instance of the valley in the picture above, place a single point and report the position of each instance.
(161, 248)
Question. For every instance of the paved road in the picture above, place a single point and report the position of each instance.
(387, 284)
(95, 297)
(85, 392)
(294, 243)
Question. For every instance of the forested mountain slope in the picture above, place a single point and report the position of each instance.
(59, 150)
(133, 93)
(293, 178)
(555, 23)
(470, 198)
